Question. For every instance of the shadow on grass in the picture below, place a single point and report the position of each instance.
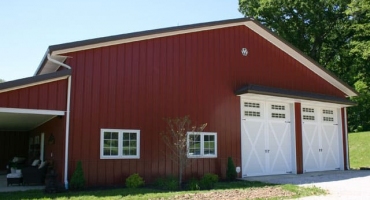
(106, 193)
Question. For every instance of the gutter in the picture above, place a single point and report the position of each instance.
(67, 119)
(347, 142)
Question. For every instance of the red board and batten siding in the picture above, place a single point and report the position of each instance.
(135, 85)
(47, 96)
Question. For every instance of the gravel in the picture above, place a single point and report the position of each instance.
(352, 184)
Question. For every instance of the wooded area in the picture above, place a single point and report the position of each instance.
(335, 33)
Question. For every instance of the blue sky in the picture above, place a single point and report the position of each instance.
(29, 27)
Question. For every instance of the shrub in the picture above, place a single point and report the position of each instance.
(208, 181)
(193, 184)
(231, 171)
(77, 180)
(134, 181)
(168, 183)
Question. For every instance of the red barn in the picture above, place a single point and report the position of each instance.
(102, 102)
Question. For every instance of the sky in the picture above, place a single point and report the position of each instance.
(27, 28)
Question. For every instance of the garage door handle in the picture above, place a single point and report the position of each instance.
(287, 121)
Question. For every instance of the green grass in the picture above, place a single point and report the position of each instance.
(149, 193)
(359, 149)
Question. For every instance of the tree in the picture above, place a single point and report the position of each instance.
(335, 33)
(175, 138)
(2, 80)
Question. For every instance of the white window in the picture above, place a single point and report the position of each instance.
(202, 145)
(119, 144)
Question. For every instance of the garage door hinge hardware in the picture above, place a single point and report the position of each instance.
(337, 168)
(289, 172)
(335, 124)
(244, 119)
(267, 151)
(287, 121)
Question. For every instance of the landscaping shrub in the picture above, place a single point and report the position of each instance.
(77, 180)
(168, 183)
(231, 171)
(208, 181)
(134, 181)
(193, 184)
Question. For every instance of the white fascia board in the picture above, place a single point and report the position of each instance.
(145, 37)
(32, 111)
(299, 57)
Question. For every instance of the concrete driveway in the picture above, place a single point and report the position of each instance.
(352, 184)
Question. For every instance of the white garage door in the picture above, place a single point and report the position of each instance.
(266, 138)
(321, 141)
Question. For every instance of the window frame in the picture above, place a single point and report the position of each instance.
(201, 134)
(120, 142)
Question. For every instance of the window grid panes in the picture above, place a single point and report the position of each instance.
(309, 117)
(116, 144)
(329, 112)
(278, 115)
(308, 110)
(252, 113)
(251, 105)
(202, 144)
(277, 107)
(110, 144)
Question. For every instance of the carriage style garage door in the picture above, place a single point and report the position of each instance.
(320, 137)
(266, 138)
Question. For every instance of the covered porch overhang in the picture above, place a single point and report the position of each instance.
(16, 119)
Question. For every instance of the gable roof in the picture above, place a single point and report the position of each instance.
(56, 50)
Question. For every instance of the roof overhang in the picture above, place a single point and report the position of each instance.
(57, 50)
(15, 119)
(267, 93)
(34, 80)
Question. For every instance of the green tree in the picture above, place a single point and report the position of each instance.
(2, 80)
(335, 33)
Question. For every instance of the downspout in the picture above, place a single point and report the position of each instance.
(67, 119)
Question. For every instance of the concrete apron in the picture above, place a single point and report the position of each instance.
(311, 178)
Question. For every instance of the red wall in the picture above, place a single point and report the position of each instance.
(136, 85)
(48, 96)
(56, 126)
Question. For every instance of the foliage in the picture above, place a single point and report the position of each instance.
(134, 181)
(2, 80)
(359, 150)
(175, 138)
(193, 184)
(334, 33)
(231, 170)
(77, 180)
(168, 183)
(208, 181)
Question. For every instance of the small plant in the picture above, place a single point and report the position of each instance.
(231, 171)
(78, 179)
(134, 181)
(193, 184)
(208, 181)
(168, 183)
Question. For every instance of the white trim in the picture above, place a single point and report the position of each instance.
(120, 145)
(34, 84)
(32, 111)
(201, 134)
(346, 137)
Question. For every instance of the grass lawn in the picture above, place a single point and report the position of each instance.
(148, 193)
(359, 149)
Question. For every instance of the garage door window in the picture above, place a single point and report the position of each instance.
(252, 110)
(202, 145)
